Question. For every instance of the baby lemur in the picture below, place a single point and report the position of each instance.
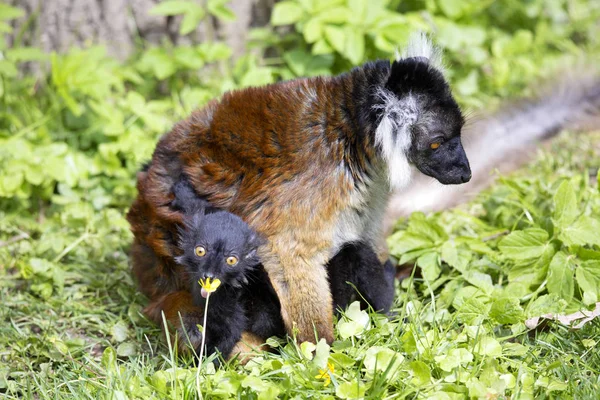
(218, 244)
(309, 164)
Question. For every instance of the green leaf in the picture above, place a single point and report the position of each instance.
(452, 8)
(265, 389)
(7, 12)
(285, 13)
(189, 57)
(533, 272)
(469, 85)
(526, 244)
(336, 38)
(255, 383)
(158, 61)
(34, 174)
(421, 374)
(488, 346)
(350, 390)
(4, 28)
(587, 275)
(455, 257)
(514, 349)
(220, 10)
(354, 313)
(127, 349)
(173, 7)
(257, 76)
(335, 15)
(191, 19)
(321, 354)
(546, 304)
(119, 331)
(353, 322)
(296, 61)
(565, 204)
(507, 310)
(8, 69)
(10, 183)
(429, 228)
(585, 231)
(560, 276)
(321, 47)
(480, 280)
(20, 54)
(307, 348)
(215, 51)
(403, 242)
(270, 393)
(313, 30)
(471, 304)
(343, 360)
(430, 266)
(453, 359)
(354, 48)
(382, 359)
(319, 65)
(109, 358)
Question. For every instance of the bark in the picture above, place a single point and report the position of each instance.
(122, 25)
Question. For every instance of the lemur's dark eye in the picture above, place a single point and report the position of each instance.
(232, 260)
(434, 145)
(200, 251)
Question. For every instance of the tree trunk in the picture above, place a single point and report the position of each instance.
(57, 25)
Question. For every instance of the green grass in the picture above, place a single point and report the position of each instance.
(71, 326)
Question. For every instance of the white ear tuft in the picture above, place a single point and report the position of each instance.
(420, 45)
(180, 260)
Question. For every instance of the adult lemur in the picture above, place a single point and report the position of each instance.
(309, 164)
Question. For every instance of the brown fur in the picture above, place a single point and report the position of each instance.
(248, 345)
(271, 155)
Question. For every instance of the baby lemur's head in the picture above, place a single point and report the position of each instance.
(218, 245)
(419, 122)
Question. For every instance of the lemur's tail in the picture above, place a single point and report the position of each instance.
(504, 140)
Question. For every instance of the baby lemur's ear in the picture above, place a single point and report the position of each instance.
(255, 240)
(180, 259)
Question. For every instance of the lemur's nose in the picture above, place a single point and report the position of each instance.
(466, 177)
(208, 275)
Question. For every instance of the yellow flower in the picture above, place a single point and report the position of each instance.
(209, 286)
(325, 374)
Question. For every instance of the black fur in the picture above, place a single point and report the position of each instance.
(245, 301)
(356, 267)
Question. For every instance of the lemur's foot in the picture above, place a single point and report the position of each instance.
(189, 335)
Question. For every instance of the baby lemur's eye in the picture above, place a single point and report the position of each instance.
(434, 145)
(232, 260)
(200, 251)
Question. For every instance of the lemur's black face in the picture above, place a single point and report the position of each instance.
(218, 245)
(435, 147)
